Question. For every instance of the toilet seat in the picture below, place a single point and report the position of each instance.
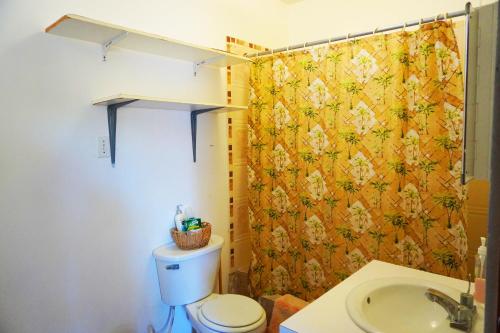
(231, 314)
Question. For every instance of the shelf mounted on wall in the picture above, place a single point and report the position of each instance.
(110, 35)
(114, 103)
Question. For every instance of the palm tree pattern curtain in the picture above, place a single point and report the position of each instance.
(354, 155)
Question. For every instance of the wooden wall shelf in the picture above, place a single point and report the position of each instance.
(113, 103)
(108, 35)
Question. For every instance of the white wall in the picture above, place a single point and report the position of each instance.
(311, 20)
(76, 235)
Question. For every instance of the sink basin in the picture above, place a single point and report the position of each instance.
(396, 305)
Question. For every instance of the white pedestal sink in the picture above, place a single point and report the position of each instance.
(396, 305)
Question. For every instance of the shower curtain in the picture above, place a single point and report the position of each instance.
(355, 154)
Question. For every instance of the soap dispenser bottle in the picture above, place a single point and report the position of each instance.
(480, 272)
(180, 216)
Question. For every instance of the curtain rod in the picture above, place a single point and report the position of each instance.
(439, 17)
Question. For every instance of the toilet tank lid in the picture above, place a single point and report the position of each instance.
(170, 251)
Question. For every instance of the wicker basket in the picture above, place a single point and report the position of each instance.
(194, 239)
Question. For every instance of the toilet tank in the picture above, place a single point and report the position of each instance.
(186, 276)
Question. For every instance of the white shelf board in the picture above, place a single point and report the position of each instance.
(83, 28)
(164, 103)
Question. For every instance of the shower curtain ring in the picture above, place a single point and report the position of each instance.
(304, 47)
(420, 23)
(375, 31)
(347, 37)
(404, 27)
(447, 17)
(436, 18)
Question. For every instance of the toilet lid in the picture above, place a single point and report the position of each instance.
(232, 311)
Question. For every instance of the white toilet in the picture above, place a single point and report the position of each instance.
(188, 277)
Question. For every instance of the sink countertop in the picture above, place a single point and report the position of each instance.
(328, 313)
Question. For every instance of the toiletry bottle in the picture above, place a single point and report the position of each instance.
(179, 217)
(480, 272)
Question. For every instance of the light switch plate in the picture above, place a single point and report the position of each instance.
(103, 147)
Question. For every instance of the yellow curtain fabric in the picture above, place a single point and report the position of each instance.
(354, 155)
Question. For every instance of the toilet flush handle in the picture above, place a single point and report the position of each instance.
(172, 267)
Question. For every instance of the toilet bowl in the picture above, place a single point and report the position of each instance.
(188, 277)
(228, 314)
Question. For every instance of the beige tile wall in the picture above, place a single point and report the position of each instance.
(237, 93)
(477, 214)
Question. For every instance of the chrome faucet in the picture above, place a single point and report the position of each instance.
(461, 315)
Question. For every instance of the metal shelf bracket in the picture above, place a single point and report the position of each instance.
(112, 117)
(194, 125)
(197, 65)
(113, 41)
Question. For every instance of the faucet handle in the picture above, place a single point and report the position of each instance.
(466, 299)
